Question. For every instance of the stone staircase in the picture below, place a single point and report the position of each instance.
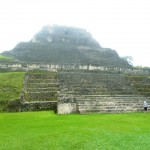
(40, 91)
(41, 86)
(100, 92)
(107, 103)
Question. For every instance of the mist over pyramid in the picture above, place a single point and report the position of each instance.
(65, 45)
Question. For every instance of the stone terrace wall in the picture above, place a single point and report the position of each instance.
(40, 91)
(99, 91)
(41, 86)
(18, 106)
(84, 90)
(38, 106)
(55, 68)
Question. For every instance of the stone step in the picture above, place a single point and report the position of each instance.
(88, 74)
(108, 96)
(42, 76)
(40, 99)
(109, 100)
(98, 86)
(87, 79)
(89, 85)
(113, 102)
(85, 111)
(102, 103)
(42, 89)
(115, 106)
(87, 91)
(41, 92)
(104, 82)
(40, 96)
(42, 81)
(41, 85)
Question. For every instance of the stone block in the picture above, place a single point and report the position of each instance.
(66, 108)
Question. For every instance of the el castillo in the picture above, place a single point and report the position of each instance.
(64, 69)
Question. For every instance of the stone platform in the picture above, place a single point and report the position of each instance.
(87, 91)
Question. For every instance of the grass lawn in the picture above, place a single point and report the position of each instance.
(11, 84)
(48, 131)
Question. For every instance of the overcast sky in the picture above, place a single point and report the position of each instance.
(123, 25)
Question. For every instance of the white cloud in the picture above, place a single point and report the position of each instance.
(123, 25)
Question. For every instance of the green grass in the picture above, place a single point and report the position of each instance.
(4, 59)
(48, 131)
(11, 84)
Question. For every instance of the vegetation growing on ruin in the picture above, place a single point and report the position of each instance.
(11, 84)
(65, 45)
(45, 130)
(4, 59)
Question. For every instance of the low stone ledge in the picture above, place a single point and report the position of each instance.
(10, 105)
(18, 106)
(39, 106)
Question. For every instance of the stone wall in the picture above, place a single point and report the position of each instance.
(83, 91)
(102, 92)
(39, 106)
(18, 106)
(66, 108)
(10, 106)
(55, 68)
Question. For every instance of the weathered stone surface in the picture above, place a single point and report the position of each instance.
(39, 106)
(10, 105)
(103, 92)
(19, 106)
(41, 86)
(66, 108)
(83, 91)
(111, 104)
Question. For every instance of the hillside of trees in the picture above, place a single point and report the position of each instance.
(65, 45)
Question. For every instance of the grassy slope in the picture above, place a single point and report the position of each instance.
(4, 59)
(11, 84)
(45, 130)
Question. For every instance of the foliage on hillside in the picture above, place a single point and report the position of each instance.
(11, 84)
(65, 45)
(5, 59)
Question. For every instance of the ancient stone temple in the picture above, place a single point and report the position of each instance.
(80, 75)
